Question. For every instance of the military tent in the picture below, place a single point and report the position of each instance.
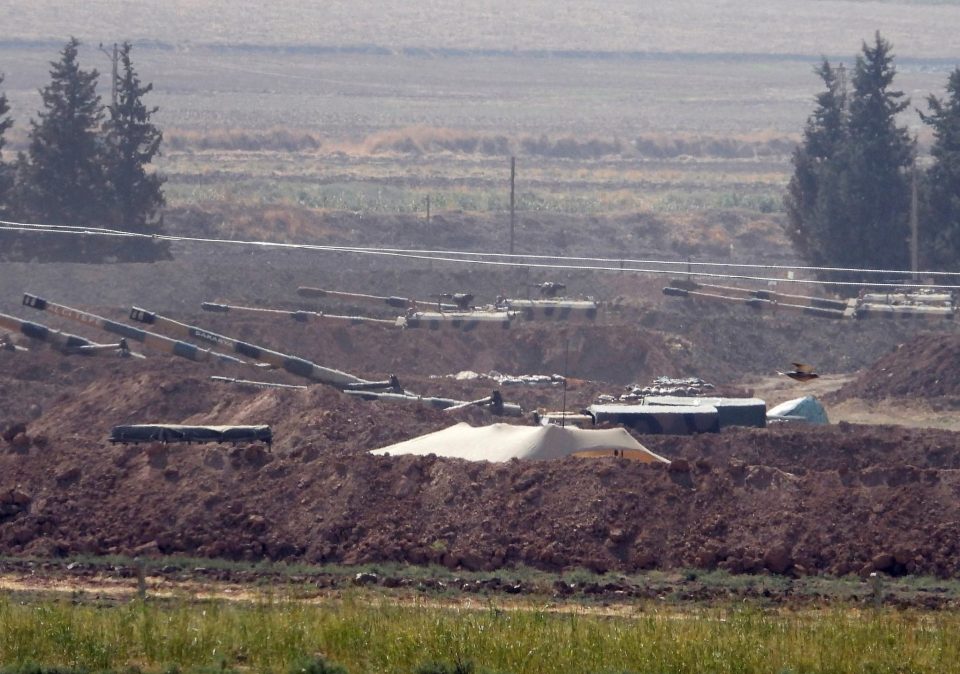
(502, 442)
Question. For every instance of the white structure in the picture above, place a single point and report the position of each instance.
(502, 442)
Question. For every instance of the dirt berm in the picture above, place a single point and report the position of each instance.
(837, 499)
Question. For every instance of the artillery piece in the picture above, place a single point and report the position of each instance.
(550, 288)
(459, 313)
(395, 302)
(938, 306)
(462, 301)
(299, 315)
(297, 366)
(148, 339)
(388, 390)
(551, 306)
(61, 341)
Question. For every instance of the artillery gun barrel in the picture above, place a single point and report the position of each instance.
(298, 315)
(7, 345)
(120, 347)
(507, 409)
(148, 339)
(292, 364)
(41, 333)
(782, 298)
(757, 303)
(63, 341)
(396, 302)
(257, 384)
(492, 400)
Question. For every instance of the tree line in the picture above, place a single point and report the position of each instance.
(850, 197)
(86, 164)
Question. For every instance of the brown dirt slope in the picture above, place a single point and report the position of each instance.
(789, 500)
(923, 367)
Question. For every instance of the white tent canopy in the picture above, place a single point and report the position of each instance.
(502, 442)
(806, 409)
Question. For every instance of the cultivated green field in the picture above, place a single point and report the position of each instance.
(366, 636)
(610, 107)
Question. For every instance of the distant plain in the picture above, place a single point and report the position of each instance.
(608, 107)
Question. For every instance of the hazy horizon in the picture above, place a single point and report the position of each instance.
(918, 29)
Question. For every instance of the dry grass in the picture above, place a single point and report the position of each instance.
(424, 140)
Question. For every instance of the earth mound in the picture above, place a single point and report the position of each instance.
(923, 367)
(790, 500)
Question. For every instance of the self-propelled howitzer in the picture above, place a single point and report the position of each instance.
(149, 339)
(299, 315)
(395, 302)
(62, 341)
(299, 367)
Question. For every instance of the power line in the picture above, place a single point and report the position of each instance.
(515, 256)
(501, 259)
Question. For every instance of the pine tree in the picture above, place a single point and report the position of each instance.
(848, 199)
(62, 181)
(880, 155)
(941, 183)
(816, 160)
(132, 142)
(6, 171)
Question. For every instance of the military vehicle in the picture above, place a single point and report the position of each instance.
(299, 315)
(388, 390)
(394, 302)
(898, 304)
(460, 313)
(292, 364)
(170, 433)
(148, 339)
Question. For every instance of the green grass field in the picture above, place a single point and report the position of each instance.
(367, 636)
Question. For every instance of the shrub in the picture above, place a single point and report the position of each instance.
(315, 665)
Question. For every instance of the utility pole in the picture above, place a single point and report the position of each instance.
(114, 58)
(914, 224)
(513, 179)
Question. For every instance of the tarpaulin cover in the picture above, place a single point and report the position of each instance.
(806, 409)
(502, 442)
(178, 433)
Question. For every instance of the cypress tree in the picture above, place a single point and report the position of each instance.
(6, 171)
(941, 183)
(849, 197)
(132, 142)
(880, 155)
(62, 181)
(811, 193)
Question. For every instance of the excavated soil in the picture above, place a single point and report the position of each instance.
(923, 367)
(789, 500)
